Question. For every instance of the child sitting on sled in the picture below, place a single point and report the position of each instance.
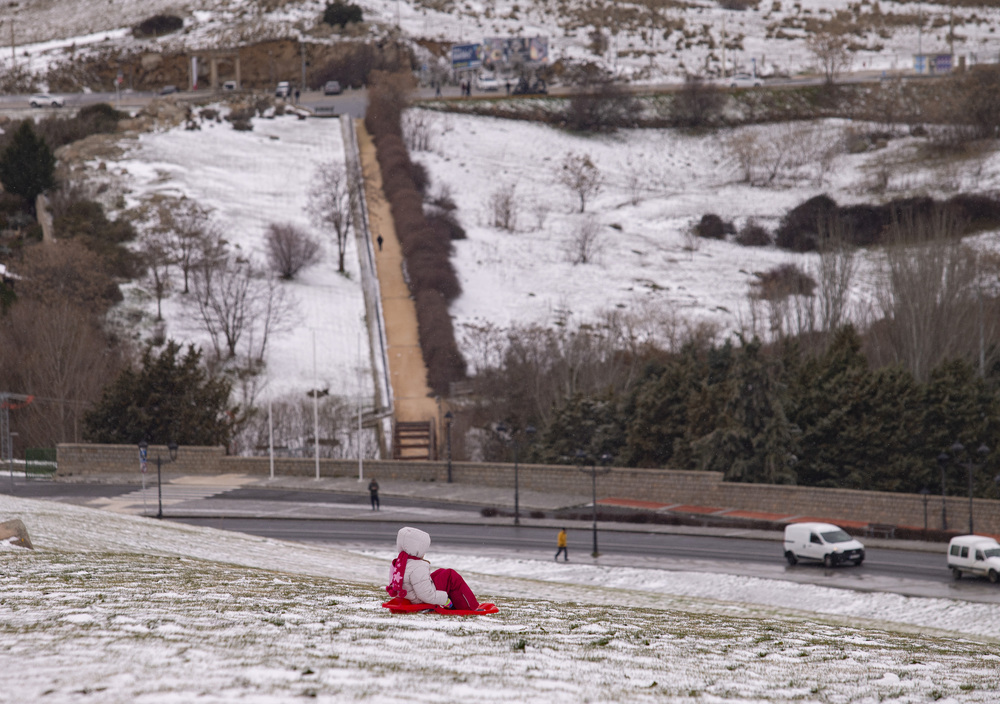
(411, 575)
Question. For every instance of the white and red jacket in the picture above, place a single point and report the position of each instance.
(417, 579)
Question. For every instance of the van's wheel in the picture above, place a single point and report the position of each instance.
(994, 576)
(790, 556)
(857, 563)
(956, 573)
(829, 560)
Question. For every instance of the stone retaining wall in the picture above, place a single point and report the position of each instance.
(654, 485)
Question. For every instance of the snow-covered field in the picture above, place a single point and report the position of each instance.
(116, 608)
(250, 180)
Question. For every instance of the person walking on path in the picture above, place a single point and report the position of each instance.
(379, 240)
(373, 490)
(561, 544)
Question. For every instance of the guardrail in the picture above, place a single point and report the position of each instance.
(369, 284)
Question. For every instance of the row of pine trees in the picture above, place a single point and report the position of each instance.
(782, 416)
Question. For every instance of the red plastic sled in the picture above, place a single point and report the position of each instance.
(399, 605)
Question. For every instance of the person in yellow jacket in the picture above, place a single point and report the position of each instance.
(561, 544)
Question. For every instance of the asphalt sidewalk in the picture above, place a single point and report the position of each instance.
(197, 496)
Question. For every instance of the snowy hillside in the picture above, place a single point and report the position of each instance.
(213, 616)
(642, 41)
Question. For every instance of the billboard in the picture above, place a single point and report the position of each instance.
(502, 51)
(466, 56)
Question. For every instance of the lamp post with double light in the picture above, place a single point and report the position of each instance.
(172, 450)
(448, 419)
(508, 435)
(957, 450)
(589, 465)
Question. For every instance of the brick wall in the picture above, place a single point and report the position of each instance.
(656, 485)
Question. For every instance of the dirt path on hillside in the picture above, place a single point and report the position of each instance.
(407, 373)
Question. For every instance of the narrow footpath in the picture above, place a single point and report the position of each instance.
(407, 373)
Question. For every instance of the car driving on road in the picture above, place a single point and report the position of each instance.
(332, 88)
(44, 100)
(742, 80)
(821, 542)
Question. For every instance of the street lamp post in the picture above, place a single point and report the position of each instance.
(512, 437)
(943, 463)
(956, 450)
(925, 492)
(586, 459)
(172, 449)
(448, 418)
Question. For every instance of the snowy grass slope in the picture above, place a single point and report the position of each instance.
(126, 609)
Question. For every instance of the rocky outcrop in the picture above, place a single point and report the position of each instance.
(14, 532)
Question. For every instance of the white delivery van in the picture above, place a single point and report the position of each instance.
(974, 554)
(821, 542)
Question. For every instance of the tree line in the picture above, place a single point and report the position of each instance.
(761, 413)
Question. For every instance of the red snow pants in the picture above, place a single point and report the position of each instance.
(448, 580)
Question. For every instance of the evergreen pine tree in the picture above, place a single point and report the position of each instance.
(170, 398)
(753, 441)
(27, 166)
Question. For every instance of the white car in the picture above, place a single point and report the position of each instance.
(821, 542)
(742, 80)
(284, 90)
(974, 554)
(487, 83)
(44, 100)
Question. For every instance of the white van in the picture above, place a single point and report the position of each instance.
(974, 554)
(822, 542)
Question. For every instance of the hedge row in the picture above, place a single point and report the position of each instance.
(426, 246)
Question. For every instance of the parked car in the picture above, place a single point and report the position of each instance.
(283, 90)
(742, 80)
(821, 542)
(332, 88)
(535, 87)
(167, 90)
(976, 555)
(487, 82)
(44, 100)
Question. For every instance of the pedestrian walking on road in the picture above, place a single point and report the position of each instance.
(561, 544)
(373, 490)
(379, 240)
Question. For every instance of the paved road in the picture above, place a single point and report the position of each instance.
(343, 518)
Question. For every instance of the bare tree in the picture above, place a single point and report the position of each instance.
(158, 256)
(502, 206)
(57, 351)
(830, 47)
(835, 273)
(237, 303)
(331, 205)
(927, 294)
(579, 174)
(289, 249)
(584, 244)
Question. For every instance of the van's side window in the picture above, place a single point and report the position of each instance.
(955, 550)
(813, 538)
(965, 551)
(979, 555)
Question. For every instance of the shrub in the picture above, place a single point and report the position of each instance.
(289, 249)
(421, 179)
(341, 14)
(783, 281)
(711, 227)
(753, 235)
(445, 223)
(799, 229)
(437, 341)
(606, 107)
(697, 104)
(157, 26)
